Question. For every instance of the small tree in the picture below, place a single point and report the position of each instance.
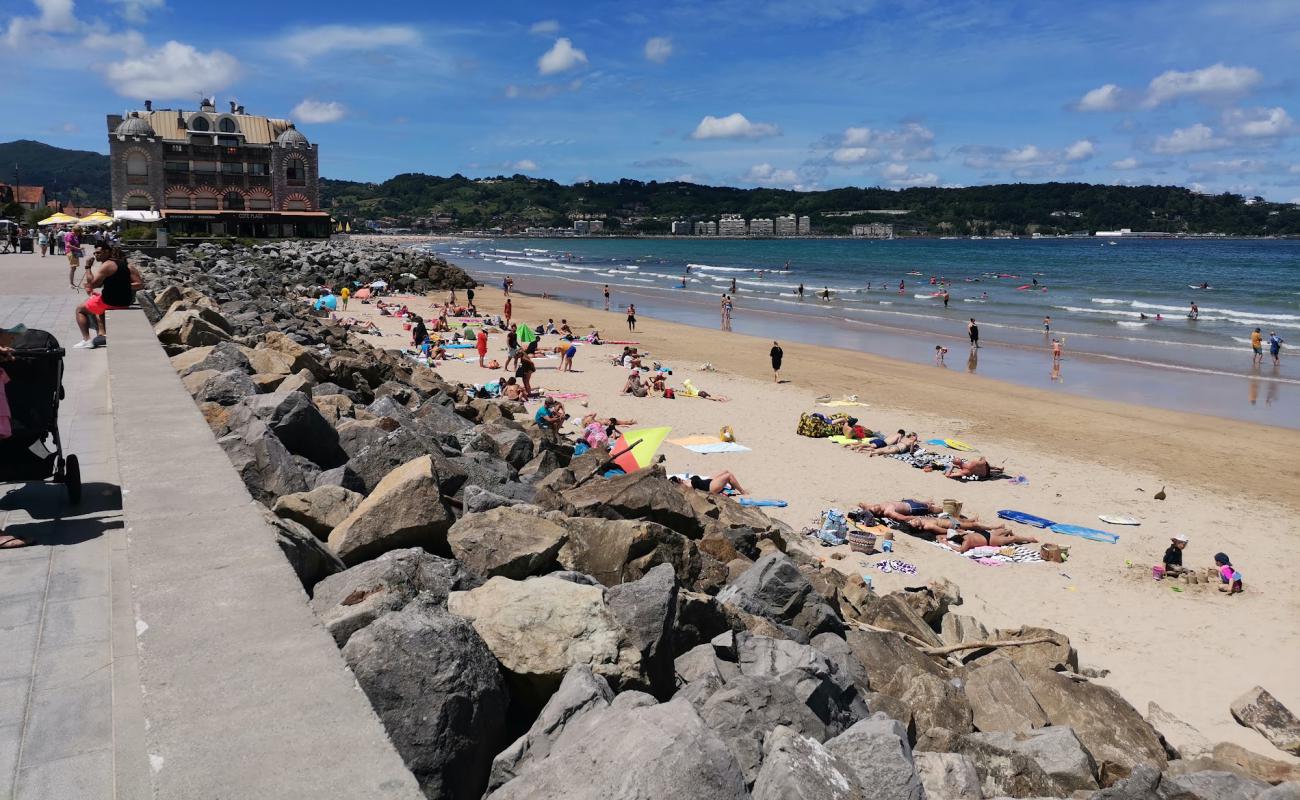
(12, 211)
(37, 214)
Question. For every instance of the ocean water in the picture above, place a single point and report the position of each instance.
(1103, 299)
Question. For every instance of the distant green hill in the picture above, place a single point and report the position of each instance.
(518, 201)
(79, 176)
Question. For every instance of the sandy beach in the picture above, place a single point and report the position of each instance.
(1192, 651)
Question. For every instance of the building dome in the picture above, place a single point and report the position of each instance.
(291, 136)
(134, 125)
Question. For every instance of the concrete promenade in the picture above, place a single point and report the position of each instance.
(160, 647)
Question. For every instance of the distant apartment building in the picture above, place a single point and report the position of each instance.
(761, 226)
(681, 228)
(707, 228)
(732, 225)
(805, 226)
(586, 227)
(874, 230)
(787, 225)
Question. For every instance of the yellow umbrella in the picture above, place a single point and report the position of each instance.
(98, 218)
(59, 219)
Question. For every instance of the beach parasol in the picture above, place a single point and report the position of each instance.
(98, 218)
(59, 219)
(526, 335)
(637, 448)
(362, 294)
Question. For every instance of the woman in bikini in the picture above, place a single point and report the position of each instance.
(712, 485)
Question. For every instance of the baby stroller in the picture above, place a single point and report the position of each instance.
(34, 390)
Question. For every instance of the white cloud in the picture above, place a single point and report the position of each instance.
(1234, 166)
(562, 56)
(174, 70)
(892, 171)
(315, 111)
(916, 179)
(861, 145)
(1104, 98)
(546, 27)
(127, 41)
(524, 165)
(767, 175)
(1217, 79)
(658, 48)
(855, 155)
(1125, 163)
(733, 126)
(56, 16)
(1193, 139)
(540, 91)
(137, 11)
(1260, 123)
(1029, 154)
(1081, 150)
(310, 43)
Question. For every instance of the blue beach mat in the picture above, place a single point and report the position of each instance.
(1027, 519)
(750, 501)
(1091, 534)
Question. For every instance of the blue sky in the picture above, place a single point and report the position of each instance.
(788, 93)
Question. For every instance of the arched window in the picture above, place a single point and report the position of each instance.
(138, 202)
(205, 199)
(295, 171)
(137, 164)
(228, 126)
(199, 124)
(178, 199)
(295, 204)
(234, 201)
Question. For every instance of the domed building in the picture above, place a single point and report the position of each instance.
(217, 173)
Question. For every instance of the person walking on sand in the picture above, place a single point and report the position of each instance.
(1056, 351)
(631, 317)
(469, 297)
(507, 311)
(726, 313)
(1275, 347)
(973, 331)
(939, 352)
(344, 294)
(607, 297)
(1257, 347)
(480, 344)
(777, 354)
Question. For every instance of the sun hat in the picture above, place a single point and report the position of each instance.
(1182, 537)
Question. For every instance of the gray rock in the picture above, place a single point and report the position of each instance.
(1000, 699)
(507, 542)
(877, 752)
(1211, 786)
(580, 691)
(227, 388)
(319, 510)
(658, 751)
(775, 588)
(960, 629)
(404, 510)
(889, 660)
(1142, 783)
(744, 711)
(224, 357)
(614, 551)
(476, 499)
(1263, 712)
(312, 562)
(948, 776)
(837, 649)
(646, 608)
(399, 447)
(798, 768)
(645, 494)
(935, 703)
(357, 596)
(700, 662)
(1283, 791)
(633, 699)
(296, 423)
(1180, 739)
(266, 467)
(1047, 761)
(813, 677)
(439, 693)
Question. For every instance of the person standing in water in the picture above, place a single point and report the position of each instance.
(777, 354)
(1056, 352)
(1275, 347)
(607, 297)
(800, 291)
(901, 284)
(973, 331)
(826, 293)
(1257, 347)
(733, 285)
(945, 298)
(1047, 325)
(1195, 312)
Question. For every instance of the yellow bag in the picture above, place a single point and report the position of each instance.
(726, 434)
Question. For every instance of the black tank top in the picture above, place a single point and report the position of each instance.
(117, 289)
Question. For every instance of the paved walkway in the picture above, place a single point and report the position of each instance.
(71, 724)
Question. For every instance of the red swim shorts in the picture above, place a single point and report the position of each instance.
(95, 304)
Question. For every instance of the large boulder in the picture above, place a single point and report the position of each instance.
(645, 494)
(632, 753)
(319, 510)
(541, 627)
(948, 776)
(1109, 728)
(1211, 785)
(796, 767)
(1180, 739)
(1262, 711)
(312, 562)
(614, 551)
(1000, 699)
(355, 597)
(1057, 654)
(775, 588)
(192, 328)
(381, 456)
(439, 693)
(298, 356)
(877, 751)
(226, 388)
(934, 703)
(748, 708)
(889, 660)
(1043, 762)
(224, 357)
(508, 542)
(266, 467)
(895, 612)
(404, 510)
(814, 678)
(580, 691)
(296, 422)
(646, 608)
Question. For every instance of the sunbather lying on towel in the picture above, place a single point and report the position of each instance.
(901, 510)
(880, 440)
(941, 527)
(968, 467)
(962, 541)
(713, 485)
(906, 445)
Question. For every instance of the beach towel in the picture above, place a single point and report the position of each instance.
(1027, 519)
(843, 440)
(1091, 534)
(842, 404)
(697, 439)
(751, 501)
(895, 565)
(566, 395)
(462, 346)
(717, 447)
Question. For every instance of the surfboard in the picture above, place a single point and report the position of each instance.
(1027, 519)
(957, 444)
(1114, 519)
(1091, 534)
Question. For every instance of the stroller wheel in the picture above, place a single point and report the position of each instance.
(72, 480)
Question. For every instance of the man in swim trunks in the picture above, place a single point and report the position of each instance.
(901, 510)
(964, 467)
(879, 441)
(1257, 345)
(906, 445)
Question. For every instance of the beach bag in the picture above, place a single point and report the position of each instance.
(814, 426)
(726, 434)
(862, 542)
(669, 394)
(834, 528)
